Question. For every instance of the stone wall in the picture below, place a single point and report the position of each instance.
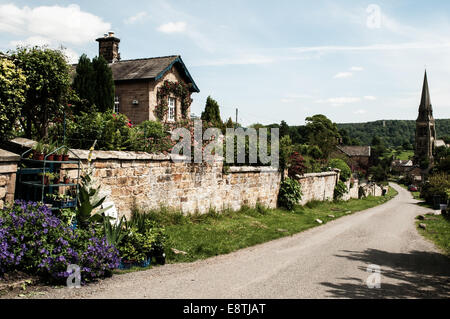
(8, 170)
(318, 186)
(151, 181)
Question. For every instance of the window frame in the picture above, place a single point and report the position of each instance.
(173, 108)
(116, 104)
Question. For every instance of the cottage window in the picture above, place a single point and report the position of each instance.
(116, 104)
(171, 111)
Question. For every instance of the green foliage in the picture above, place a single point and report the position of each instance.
(104, 85)
(322, 133)
(393, 132)
(84, 84)
(48, 79)
(12, 96)
(290, 193)
(378, 173)
(437, 184)
(342, 165)
(89, 200)
(285, 151)
(212, 113)
(340, 190)
(114, 232)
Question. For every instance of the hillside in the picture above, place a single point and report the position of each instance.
(393, 132)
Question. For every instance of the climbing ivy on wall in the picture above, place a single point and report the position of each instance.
(177, 89)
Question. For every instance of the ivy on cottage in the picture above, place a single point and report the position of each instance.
(180, 91)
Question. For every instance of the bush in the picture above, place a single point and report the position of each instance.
(438, 184)
(340, 190)
(290, 193)
(340, 164)
(297, 165)
(35, 241)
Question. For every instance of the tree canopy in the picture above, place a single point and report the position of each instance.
(12, 95)
(48, 79)
(212, 112)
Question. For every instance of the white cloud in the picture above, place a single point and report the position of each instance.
(136, 18)
(356, 69)
(51, 24)
(370, 98)
(173, 27)
(338, 101)
(343, 75)
(31, 41)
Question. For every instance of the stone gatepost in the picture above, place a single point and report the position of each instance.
(8, 171)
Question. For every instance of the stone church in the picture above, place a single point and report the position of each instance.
(137, 83)
(426, 141)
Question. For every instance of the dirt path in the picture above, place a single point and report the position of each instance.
(325, 262)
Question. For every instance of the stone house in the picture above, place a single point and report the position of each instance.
(138, 81)
(357, 157)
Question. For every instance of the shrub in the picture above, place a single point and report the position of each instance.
(35, 241)
(290, 193)
(297, 165)
(438, 184)
(340, 190)
(340, 164)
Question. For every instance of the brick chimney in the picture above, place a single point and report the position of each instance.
(109, 47)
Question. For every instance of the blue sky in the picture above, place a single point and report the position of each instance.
(353, 61)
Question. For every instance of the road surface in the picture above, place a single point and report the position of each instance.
(329, 261)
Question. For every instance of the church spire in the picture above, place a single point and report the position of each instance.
(425, 109)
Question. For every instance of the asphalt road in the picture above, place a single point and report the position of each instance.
(329, 261)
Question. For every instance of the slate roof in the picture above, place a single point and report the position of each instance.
(149, 69)
(355, 150)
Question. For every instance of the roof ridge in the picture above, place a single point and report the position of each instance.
(152, 58)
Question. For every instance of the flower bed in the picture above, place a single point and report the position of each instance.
(35, 241)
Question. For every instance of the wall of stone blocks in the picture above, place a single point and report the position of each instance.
(318, 186)
(8, 170)
(150, 182)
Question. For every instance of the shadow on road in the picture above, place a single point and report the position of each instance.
(417, 274)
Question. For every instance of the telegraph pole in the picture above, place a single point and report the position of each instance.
(237, 114)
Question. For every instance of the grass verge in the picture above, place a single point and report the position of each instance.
(204, 236)
(438, 231)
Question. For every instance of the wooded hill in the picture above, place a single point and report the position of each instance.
(392, 132)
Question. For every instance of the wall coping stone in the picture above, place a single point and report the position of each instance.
(6, 156)
(322, 174)
(252, 169)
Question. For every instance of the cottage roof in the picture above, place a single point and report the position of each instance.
(149, 69)
(146, 69)
(355, 150)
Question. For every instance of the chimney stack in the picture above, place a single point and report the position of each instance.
(109, 47)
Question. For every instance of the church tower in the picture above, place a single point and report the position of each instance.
(425, 128)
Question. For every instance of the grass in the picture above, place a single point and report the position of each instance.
(438, 231)
(204, 236)
(403, 155)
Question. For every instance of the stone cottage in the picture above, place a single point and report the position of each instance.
(357, 156)
(138, 82)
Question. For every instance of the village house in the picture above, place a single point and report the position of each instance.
(139, 81)
(357, 157)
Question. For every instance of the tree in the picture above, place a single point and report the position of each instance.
(284, 129)
(48, 80)
(296, 165)
(212, 112)
(104, 85)
(229, 123)
(346, 172)
(323, 133)
(84, 83)
(12, 95)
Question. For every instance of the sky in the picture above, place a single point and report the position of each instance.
(354, 61)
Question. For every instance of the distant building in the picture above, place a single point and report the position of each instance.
(137, 82)
(400, 166)
(357, 156)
